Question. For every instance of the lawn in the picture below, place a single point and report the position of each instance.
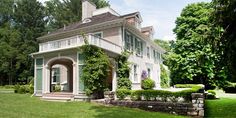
(24, 106)
(225, 107)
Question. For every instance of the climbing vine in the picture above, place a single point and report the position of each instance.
(95, 70)
(164, 77)
(123, 70)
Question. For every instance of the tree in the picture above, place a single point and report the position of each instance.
(60, 13)
(164, 44)
(225, 16)
(29, 20)
(9, 39)
(192, 59)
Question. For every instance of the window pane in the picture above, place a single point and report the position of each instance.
(39, 62)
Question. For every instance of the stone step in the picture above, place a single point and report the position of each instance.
(56, 98)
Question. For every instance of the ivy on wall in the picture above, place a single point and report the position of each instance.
(123, 70)
(165, 79)
(95, 70)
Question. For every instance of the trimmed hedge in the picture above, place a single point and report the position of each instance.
(187, 85)
(123, 93)
(158, 94)
(230, 88)
(212, 92)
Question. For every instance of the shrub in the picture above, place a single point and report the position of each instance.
(57, 88)
(212, 92)
(230, 88)
(124, 83)
(210, 96)
(22, 89)
(147, 84)
(187, 85)
(164, 95)
(122, 93)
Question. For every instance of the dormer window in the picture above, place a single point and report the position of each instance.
(86, 20)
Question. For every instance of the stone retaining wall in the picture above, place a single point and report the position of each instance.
(194, 108)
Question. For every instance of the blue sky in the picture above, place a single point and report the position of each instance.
(161, 14)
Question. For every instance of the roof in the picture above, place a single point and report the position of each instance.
(143, 29)
(94, 20)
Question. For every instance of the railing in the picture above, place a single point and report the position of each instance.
(79, 41)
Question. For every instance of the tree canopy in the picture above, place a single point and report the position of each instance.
(225, 16)
(192, 59)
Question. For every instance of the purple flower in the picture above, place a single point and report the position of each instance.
(144, 74)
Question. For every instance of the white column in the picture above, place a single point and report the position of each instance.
(46, 83)
(114, 79)
(75, 91)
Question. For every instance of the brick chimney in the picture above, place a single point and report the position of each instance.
(87, 9)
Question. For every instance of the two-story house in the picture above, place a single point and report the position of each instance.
(59, 61)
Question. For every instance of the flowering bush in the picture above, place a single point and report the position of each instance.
(144, 74)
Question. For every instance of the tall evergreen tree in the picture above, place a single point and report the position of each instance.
(29, 20)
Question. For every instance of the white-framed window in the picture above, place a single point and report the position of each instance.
(149, 72)
(56, 75)
(128, 41)
(148, 52)
(135, 73)
(138, 47)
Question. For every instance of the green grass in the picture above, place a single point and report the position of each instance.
(24, 106)
(225, 107)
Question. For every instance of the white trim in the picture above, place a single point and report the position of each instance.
(61, 57)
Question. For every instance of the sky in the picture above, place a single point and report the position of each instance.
(161, 14)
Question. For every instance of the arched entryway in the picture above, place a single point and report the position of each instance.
(61, 75)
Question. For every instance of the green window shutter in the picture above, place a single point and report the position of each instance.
(81, 83)
(39, 75)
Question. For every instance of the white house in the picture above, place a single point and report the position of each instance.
(58, 60)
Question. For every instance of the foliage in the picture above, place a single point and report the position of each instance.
(147, 84)
(164, 44)
(230, 87)
(23, 21)
(64, 12)
(122, 93)
(164, 95)
(187, 85)
(22, 89)
(224, 16)
(24, 106)
(123, 71)
(212, 92)
(165, 79)
(192, 59)
(95, 70)
(57, 88)
(123, 83)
